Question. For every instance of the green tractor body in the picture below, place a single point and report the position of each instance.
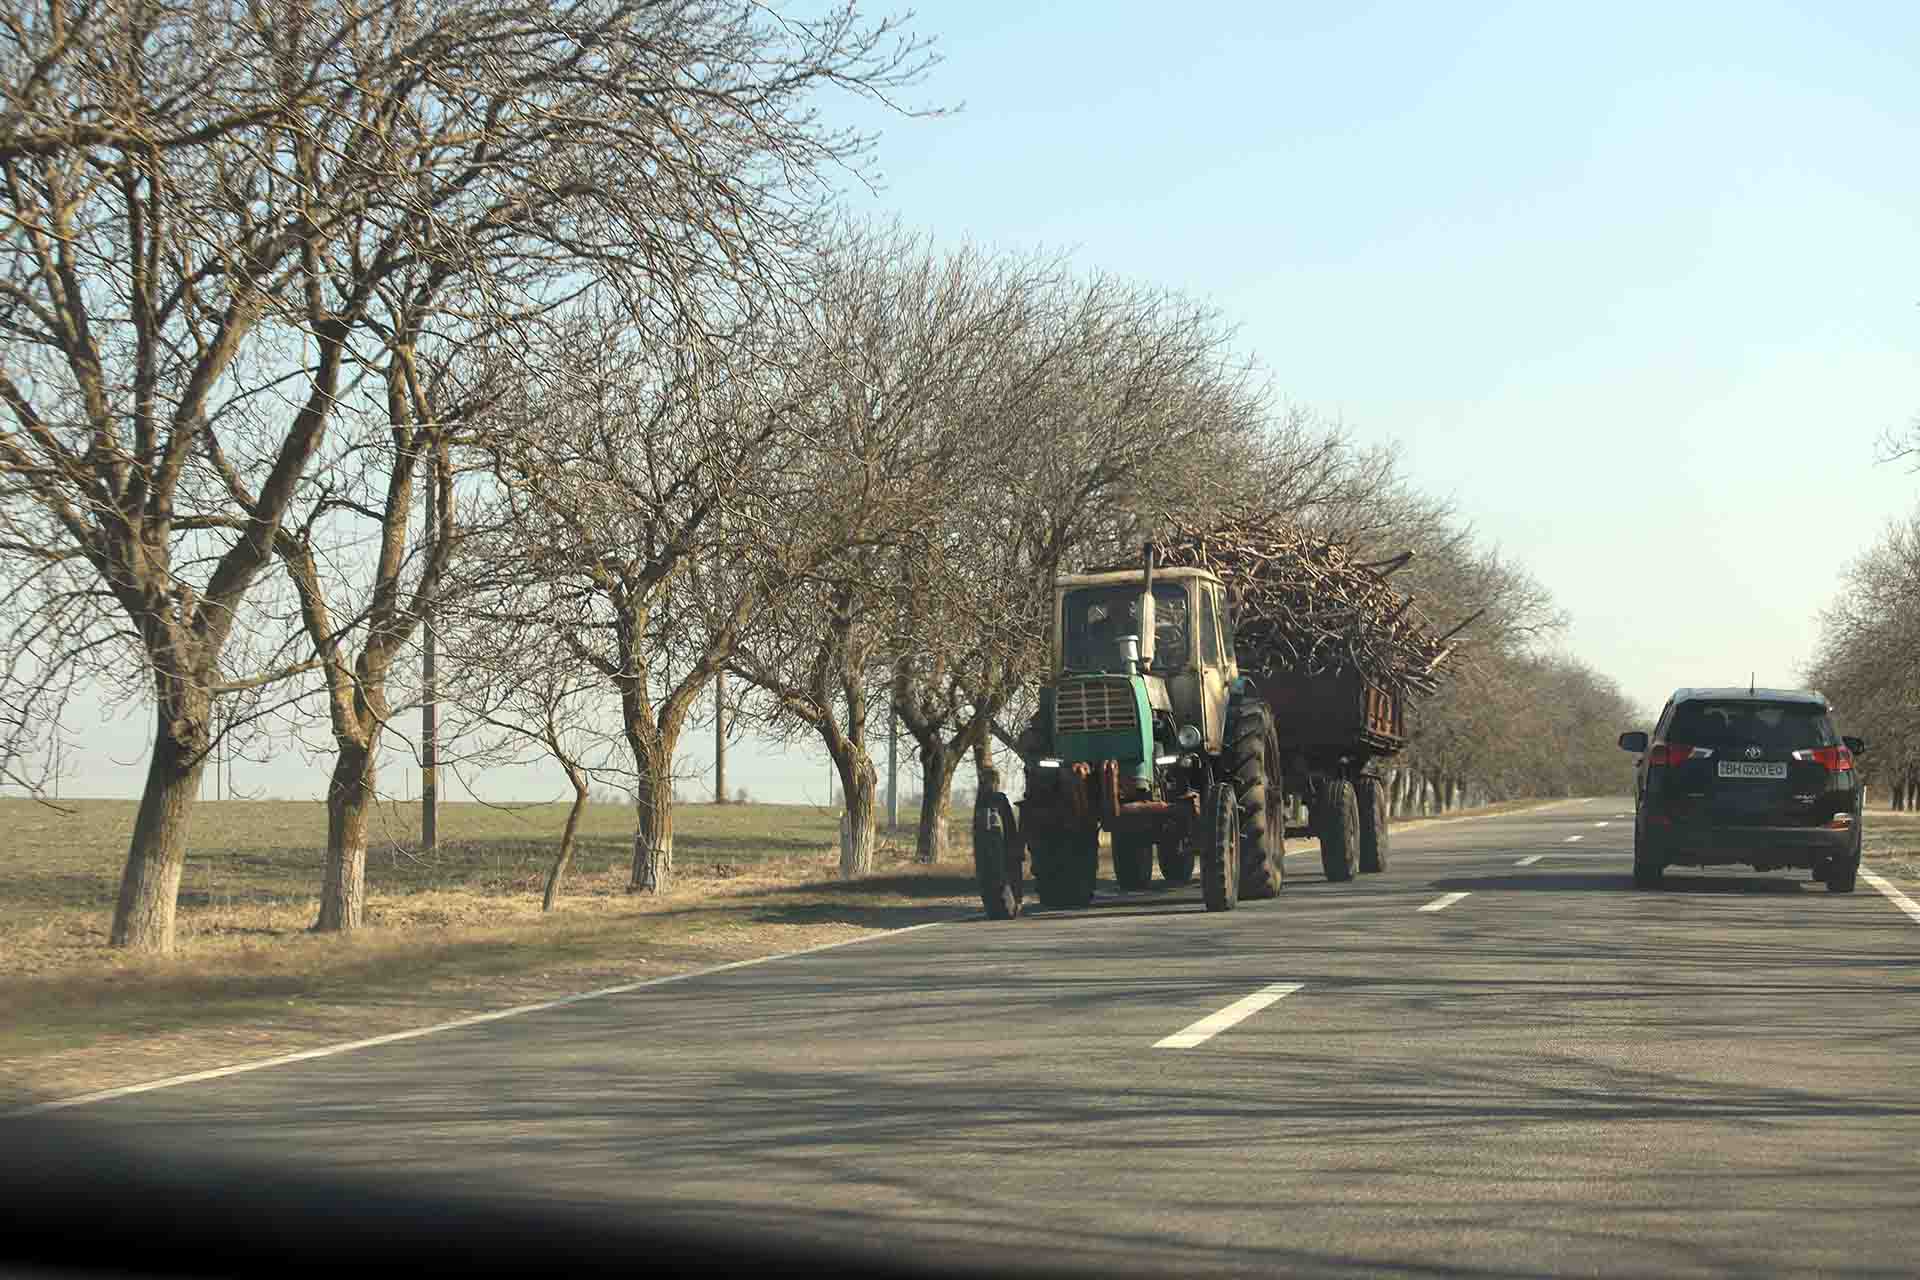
(1144, 732)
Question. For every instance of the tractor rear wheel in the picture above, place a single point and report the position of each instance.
(997, 858)
(1253, 763)
(1176, 860)
(1064, 869)
(1220, 850)
(1372, 798)
(1132, 861)
(1337, 817)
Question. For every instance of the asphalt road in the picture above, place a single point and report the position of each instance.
(1553, 1073)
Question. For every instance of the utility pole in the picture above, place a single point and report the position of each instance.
(720, 737)
(893, 770)
(429, 700)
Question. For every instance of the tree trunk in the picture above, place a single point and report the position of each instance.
(937, 767)
(150, 884)
(343, 889)
(653, 834)
(857, 827)
(559, 867)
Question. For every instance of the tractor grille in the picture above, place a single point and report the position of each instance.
(1095, 706)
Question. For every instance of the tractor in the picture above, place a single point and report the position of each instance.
(1145, 730)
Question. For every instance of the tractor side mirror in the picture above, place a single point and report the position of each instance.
(1635, 741)
(1856, 745)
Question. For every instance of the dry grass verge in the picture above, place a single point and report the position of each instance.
(1891, 845)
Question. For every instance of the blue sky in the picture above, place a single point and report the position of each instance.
(1634, 284)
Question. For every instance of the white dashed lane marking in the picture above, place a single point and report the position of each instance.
(1571, 839)
(1214, 1023)
(1444, 901)
(1529, 860)
(1893, 895)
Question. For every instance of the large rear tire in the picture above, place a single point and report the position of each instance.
(1132, 861)
(1220, 852)
(1648, 871)
(1065, 868)
(1374, 831)
(997, 858)
(1176, 860)
(1843, 872)
(1338, 818)
(1253, 763)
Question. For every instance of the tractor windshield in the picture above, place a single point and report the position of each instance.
(1095, 618)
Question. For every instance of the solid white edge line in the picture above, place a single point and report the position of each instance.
(1892, 894)
(1214, 1023)
(1444, 901)
(1530, 859)
(496, 1015)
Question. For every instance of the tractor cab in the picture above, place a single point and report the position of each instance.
(1167, 631)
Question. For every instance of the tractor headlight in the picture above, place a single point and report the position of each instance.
(1188, 737)
(1047, 763)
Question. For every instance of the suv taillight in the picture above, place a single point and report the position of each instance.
(1675, 753)
(1833, 759)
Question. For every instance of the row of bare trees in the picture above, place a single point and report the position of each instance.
(531, 330)
(1868, 662)
(266, 266)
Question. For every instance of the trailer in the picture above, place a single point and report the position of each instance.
(1334, 729)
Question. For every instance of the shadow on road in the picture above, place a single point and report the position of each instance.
(1758, 884)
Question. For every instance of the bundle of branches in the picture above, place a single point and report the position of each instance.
(1305, 605)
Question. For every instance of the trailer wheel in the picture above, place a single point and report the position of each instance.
(1374, 831)
(1220, 854)
(997, 858)
(1176, 860)
(1132, 861)
(1253, 762)
(1064, 869)
(1337, 818)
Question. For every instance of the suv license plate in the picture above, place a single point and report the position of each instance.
(1753, 769)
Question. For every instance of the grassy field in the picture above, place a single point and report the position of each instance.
(1892, 846)
(453, 932)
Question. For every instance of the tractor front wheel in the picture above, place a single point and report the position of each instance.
(1220, 850)
(1064, 869)
(1176, 860)
(997, 858)
(1132, 861)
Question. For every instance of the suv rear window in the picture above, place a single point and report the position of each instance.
(1776, 725)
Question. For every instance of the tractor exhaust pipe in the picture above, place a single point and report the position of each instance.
(1146, 606)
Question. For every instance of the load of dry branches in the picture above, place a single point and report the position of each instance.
(1305, 605)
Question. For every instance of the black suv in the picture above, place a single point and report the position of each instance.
(1755, 776)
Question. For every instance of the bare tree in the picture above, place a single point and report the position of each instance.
(1868, 660)
(515, 704)
(1111, 406)
(203, 202)
(635, 451)
(901, 338)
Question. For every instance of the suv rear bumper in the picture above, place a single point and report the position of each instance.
(1806, 847)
